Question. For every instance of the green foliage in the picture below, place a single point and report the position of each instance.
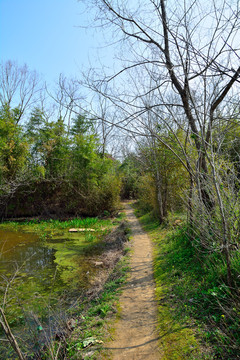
(147, 192)
(63, 171)
(129, 171)
(230, 138)
(163, 179)
(13, 145)
(49, 145)
(81, 125)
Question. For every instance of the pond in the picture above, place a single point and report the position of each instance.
(41, 278)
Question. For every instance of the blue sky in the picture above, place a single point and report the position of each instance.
(44, 34)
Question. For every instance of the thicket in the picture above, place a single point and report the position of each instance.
(49, 169)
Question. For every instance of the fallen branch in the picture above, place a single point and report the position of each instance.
(9, 335)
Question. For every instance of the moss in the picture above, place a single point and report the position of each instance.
(177, 339)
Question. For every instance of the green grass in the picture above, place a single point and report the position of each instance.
(46, 226)
(198, 313)
(58, 224)
(49, 228)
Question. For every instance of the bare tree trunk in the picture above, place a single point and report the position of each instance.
(225, 241)
(159, 195)
(190, 197)
(158, 182)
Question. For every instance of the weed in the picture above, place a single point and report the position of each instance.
(89, 237)
(119, 218)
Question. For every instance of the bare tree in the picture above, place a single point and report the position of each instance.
(68, 98)
(19, 87)
(189, 49)
(180, 63)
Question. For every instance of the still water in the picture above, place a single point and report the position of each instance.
(40, 278)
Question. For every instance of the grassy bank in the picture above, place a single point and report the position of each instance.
(189, 301)
(91, 315)
(199, 315)
(49, 228)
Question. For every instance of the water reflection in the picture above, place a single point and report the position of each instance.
(41, 267)
(24, 252)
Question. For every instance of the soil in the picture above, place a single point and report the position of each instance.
(113, 250)
(135, 335)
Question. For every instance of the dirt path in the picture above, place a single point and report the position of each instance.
(135, 337)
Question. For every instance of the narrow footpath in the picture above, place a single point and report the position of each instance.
(135, 336)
